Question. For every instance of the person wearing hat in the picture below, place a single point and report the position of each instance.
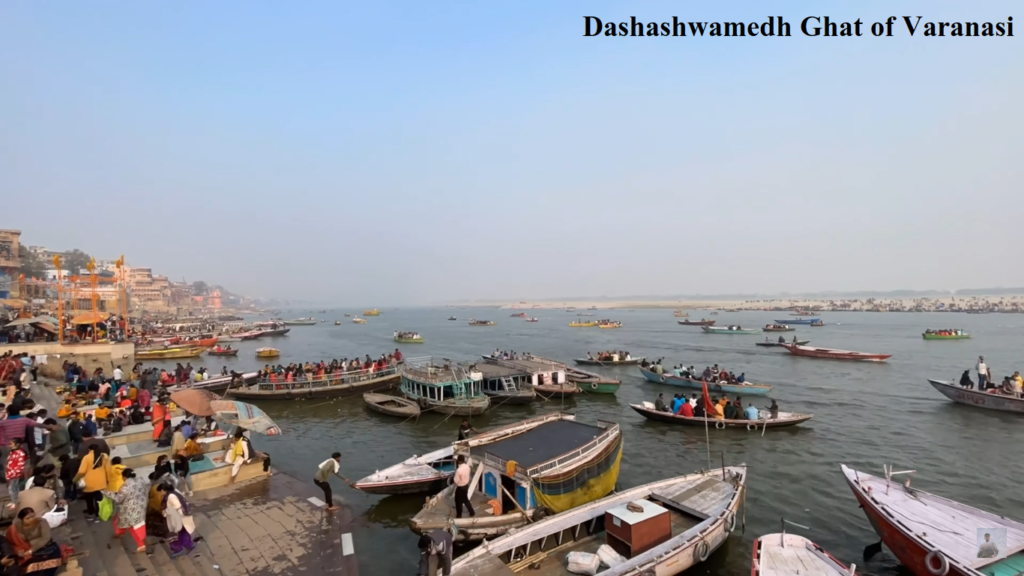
(438, 543)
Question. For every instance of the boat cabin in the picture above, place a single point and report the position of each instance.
(503, 379)
(440, 379)
(540, 372)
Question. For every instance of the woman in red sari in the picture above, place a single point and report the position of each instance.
(160, 417)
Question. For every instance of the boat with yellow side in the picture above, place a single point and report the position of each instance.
(169, 353)
(372, 312)
(267, 352)
(582, 324)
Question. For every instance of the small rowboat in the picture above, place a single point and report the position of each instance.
(977, 398)
(563, 390)
(532, 320)
(408, 340)
(610, 325)
(590, 382)
(793, 555)
(648, 411)
(937, 336)
(481, 323)
(371, 312)
(517, 315)
(358, 321)
(391, 405)
(232, 352)
(679, 314)
(582, 324)
(741, 388)
(427, 473)
(831, 354)
(696, 322)
(730, 330)
(781, 344)
(452, 318)
(169, 353)
(930, 534)
(778, 328)
(337, 322)
(596, 362)
(267, 352)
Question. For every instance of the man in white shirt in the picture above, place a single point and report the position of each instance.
(118, 376)
(462, 487)
(982, 373)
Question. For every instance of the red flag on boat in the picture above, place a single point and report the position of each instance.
(709, 406)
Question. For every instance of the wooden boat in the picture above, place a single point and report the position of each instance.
(371, 312)
(337, 322)
(228, 339)
(680, 314)
(578, 324)
(391, 405)
(793, 555)
(271, 329)
(481, 323)
(223, 352)
(699, 510)
(409, 339)
(427, 473)
(778, 328)
(697, 322)
(267, 352)
(358, 321)
(801, 313)
(740, 388)
(452, 318)
(342, 385)
(506, 385)
(730, 330)
(444, 386)
(219, 384)
(552, 461)
(781, 344)
(517, 315)
(171, 353)
(817, 324)
(831, 354)
(250, 335)
(532, 320)
(347, 315)
(932, 535)
(934, 335)
(596, 362)
(647, 410)
(798, 321)
(978, 398)
(301, 322)
(609, 325)
(556, 389)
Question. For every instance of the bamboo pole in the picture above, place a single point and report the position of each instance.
(91, 266)
(60, 302)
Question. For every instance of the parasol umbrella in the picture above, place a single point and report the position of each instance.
(21, 322)
(13, 302)
(195, 401)
(89, 317)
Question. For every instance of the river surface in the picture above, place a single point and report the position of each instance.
(866, 415)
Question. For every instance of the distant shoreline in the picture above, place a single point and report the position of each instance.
(1014, 304)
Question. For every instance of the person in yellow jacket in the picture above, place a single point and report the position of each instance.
(720, 409)
(115, 479)
(94, 471)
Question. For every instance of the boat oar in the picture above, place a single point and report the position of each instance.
(872, 550)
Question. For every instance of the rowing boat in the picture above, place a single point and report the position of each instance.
(778, 328)
(345, 384)
(793, 555)
(596, 362)
(232, 352)
(781, 344)
(647, 410)
(371, 312)
(696, 322)
(267, 352)
(406, 340)
(930, 534)
(798, 321)
(741, 388)
(582, 324)
(592, 382)
(978, 398)
(427, 473)
(391, 405)
(481, 323)
(301, 322)
(696, 514)
(832, 354)
(169, 353)
(730, 330)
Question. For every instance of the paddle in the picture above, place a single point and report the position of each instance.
(872, 550)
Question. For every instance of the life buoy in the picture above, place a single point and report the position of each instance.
(730, 521)
(663, 378)
(943, 566)
(751, 426)
(593, 385)
(719, 425)
(701, 551)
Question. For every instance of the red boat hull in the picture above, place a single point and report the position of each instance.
(908, 552)
(835, 354)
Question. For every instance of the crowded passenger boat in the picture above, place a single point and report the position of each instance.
(408, 337)
(945, 334)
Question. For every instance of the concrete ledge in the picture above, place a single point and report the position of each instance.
(220, 474)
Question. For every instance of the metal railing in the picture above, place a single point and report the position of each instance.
(328, 380)
(525, 474)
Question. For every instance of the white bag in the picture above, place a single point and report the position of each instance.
(609, 557)
(56, 517)
(582, 563)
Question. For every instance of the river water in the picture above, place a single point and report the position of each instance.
(866, 415)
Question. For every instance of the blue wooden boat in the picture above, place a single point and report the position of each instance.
(798, 321)
(673, 379)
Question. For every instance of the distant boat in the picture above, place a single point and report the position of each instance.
(770, 344)
(301, 322)
(831, 354)
(481, 323)
(730, 330)
(700, 322)
(939, 335)
(452, 318)
(532, 320)
(798, 321)
(371, 312)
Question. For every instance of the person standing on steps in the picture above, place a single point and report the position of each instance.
(322, 478)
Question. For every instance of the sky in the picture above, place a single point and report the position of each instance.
(399, 153)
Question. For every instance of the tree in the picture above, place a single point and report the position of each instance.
(199, 288)
(32, 266)
(75, 260)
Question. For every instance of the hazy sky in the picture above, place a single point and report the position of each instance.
(382, 153)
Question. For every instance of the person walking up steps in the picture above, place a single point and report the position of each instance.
(323, 476)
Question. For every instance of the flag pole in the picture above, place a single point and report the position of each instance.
(707, 434)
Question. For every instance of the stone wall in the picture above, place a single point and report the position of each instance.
(89, 356)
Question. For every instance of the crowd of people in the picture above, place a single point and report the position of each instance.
(710, 374)
(408, 335)
(945, 332)
(723, 408)
(610, 356)
(298, 372)
(1010, 386)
